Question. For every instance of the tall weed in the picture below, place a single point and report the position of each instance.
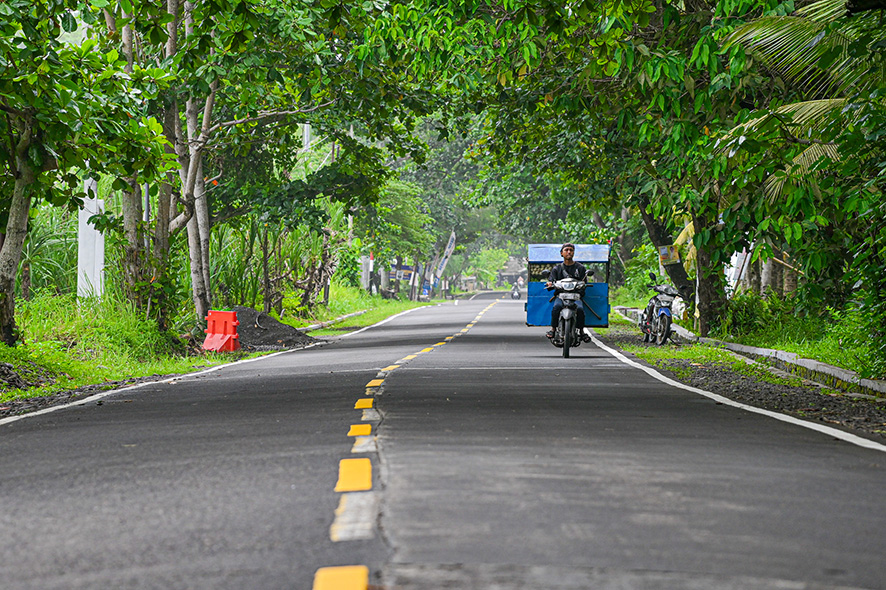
(105, 330)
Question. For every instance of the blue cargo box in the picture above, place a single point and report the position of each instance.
(596, 299)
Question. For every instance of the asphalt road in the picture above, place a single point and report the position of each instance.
(492, 462)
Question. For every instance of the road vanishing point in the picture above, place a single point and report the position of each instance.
(448, 447)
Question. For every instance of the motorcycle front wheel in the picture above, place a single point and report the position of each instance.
(664, 329)
(568, 335)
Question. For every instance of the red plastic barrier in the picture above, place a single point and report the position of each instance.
(221, 331)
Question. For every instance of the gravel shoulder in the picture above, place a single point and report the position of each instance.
(763, 387)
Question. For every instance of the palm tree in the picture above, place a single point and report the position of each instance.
(834, 53)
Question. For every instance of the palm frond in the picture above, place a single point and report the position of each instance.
(803, 169)
(803, 119)
(826, 11)
(794, 46)
(809, 48)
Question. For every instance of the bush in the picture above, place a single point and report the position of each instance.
(851, 330)
(746, 314)
(840, 337)
(645, 260)
(348, 270)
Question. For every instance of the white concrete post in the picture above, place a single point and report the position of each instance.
(90, 247)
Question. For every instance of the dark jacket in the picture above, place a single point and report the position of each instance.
(561, 271)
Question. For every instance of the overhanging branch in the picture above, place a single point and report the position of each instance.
(262, 115)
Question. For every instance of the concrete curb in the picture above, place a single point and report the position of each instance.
(789, 361)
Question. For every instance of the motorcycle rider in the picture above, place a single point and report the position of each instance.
(568, 268)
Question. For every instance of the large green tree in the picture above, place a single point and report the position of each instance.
(66, 108)
(243, 70)
(824, 152)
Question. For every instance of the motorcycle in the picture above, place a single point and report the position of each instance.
(656, 320)
(570, 291)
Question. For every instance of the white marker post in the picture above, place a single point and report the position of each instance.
(90, 247)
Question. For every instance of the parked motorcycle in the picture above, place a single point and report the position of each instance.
(655, 323)
(570, 291)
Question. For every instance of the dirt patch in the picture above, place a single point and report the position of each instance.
(259, 331)
(32, 404)
(9, 379)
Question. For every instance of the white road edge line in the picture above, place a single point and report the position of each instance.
(838, 434)
(384, 321)
(104, 394)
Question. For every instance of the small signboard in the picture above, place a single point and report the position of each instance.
(668, 255)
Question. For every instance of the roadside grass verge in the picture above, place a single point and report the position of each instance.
(67, 345)
(695, 355)
(837, 338)
(369, 318)
(344, 300)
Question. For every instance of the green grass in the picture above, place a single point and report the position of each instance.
(344, 300)
(838, 338)
(700, 354)
(622, 296)
(824, 344)
(67, 345)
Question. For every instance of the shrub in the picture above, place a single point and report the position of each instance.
(746, 314)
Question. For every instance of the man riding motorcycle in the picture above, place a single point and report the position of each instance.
(568, 268)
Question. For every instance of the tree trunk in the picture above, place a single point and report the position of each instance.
(660, 237)
(398, 275)
(16, 231)
(265, 272)
(711, 284)
(201, 212)
(753, 277)
(198, 288)
(790, 277)
(133, 246)
(778, 275)
(26, 281)
(766, 278)
(414, 288)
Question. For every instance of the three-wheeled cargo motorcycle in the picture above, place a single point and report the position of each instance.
(593, 293)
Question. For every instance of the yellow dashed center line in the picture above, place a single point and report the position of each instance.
(348, 577)
(354, 475)
(360, 430)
